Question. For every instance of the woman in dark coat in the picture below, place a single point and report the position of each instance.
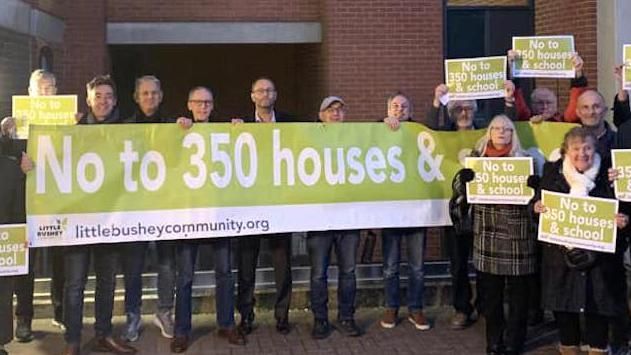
(504, 247)
(580, 282)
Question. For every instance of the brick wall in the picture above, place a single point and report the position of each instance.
(372, 48)
(575, 17)
(212, 10)
(85, 50)
(14, 67)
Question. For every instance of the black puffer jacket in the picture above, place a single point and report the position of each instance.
(596, 290)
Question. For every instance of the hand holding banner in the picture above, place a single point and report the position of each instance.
(500, 180)
(543, 57)
(578, 222)
(475, 78)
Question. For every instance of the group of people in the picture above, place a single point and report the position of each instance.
(501, 238)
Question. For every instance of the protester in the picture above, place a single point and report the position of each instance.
(503, 248)
(319, 245)
(577, 281)
(264, 97)
(399, 109)
(200, 105)
(11, 212)
(148, 96)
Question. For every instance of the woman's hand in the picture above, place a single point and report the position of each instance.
(613, 174)
(622, 220)
(539, 207)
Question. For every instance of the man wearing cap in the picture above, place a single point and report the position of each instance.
(319, 245)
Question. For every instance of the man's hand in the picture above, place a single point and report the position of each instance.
(392, 123)
(617, 73)
(539, 207)
(440, 91)
(577, 62)
(26, 164)
(184, 122)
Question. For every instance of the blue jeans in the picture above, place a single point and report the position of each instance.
(134, 264)
(319, 245)
(415, 243)
(77, 264)
(224, 284)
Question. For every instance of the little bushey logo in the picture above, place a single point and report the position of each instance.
(53, 231)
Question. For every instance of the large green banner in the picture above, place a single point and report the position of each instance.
(117, 183)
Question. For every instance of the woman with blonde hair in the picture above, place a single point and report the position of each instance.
(504, 247)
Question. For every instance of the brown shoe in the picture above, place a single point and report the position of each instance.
(179, 344)
(389, 319)
(418, 319)
(461, 321)
(232, 335)
(109, 344)
(71, 349)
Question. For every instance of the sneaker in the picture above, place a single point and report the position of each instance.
(348, 328)
(164, 321)
(59, 324)
(389, 319)
(321, 329)
(418, 319)
(23, 332)
(132, 328)
(461, 321)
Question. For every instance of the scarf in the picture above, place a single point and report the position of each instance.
(581, 184)
(493, 152)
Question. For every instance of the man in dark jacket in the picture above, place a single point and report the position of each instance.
(101, 100)
(264, 96)
(11, 211)
(148, 95)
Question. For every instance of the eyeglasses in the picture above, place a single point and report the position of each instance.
(201, 102)
(264, 91)
(459, 109)
(501, 129)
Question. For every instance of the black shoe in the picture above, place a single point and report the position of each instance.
(495, 350)
(282, 326)
(321, 329)
(348, 328)
(246, 325)
(23, 332)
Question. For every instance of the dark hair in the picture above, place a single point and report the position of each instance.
(262, 78)
(101, 80)
(577, 133)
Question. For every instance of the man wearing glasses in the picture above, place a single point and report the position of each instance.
(264, 96)
(201, 104)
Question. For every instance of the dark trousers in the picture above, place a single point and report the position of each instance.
(6, 309)
(249, 247)
(595, 334)
(134, 264)
(320, 245)
(77, 264)
(500, 330)
(24, 285)
(224, 284)
(459, 247)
